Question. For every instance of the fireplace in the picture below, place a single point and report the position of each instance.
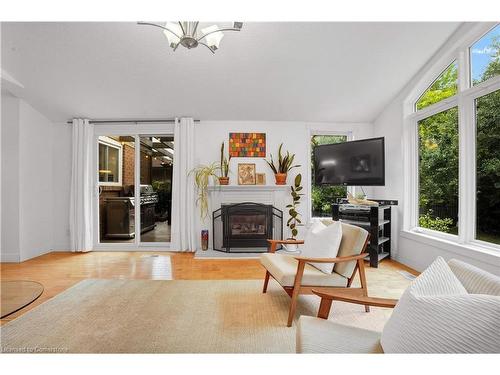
(246, 227)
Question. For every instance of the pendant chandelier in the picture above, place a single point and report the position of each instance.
(188, 34)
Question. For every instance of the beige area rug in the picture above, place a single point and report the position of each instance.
(181, 316)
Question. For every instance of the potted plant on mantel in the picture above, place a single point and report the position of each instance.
(285, 164)
(224, 167)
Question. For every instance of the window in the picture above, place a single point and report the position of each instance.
(485, 57)
(109, 161)
(438, 171)
(443, 87)
(323, 196)
(454, 148)
(488, 167)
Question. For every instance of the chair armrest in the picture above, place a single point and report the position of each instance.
(274, 243)
(332, 260)
(357, 299)
(297, 242)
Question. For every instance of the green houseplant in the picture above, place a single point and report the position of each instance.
(202, 175)
(285, 164)
(224, 167)
(292, 208)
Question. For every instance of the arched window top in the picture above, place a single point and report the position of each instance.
(443, 87)
(485, 57)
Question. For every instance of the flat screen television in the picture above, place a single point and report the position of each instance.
(356, 163)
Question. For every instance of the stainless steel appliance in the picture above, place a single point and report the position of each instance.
(120, 214)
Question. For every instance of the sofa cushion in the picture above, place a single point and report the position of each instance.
(322, 241)
(284, 267)
(321, 336)
(436, 315)
(475, 280)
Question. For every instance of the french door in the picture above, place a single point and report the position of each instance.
(133, 186)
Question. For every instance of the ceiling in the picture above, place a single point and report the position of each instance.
(297, 71)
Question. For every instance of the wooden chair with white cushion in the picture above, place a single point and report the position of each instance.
(297, 276)
(449, 308)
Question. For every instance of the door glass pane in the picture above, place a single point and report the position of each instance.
(443, 87)
(116, 189)
(323, 196)
(157, 157)
(438, 171)
(488, 168)
(485, 57)
(109, 151)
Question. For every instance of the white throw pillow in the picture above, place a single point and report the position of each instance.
(437, 315)
(322, 241)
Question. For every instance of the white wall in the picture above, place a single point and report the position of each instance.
(27, 176)
(393, 189)
(416, 250)
(36, 183)
(295, 137)
(10, 251)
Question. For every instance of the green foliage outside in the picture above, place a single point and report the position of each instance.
(488, 156)
(435, 223)
(442, 88)
(438, 157)
(323, 196)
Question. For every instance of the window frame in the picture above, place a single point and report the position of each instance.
(106, 141)
(464, 99)
(312, 132)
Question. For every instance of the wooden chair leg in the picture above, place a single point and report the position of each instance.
(296, 291)
(362, 277)
(324, 308)
(266, 281)
(293, 306)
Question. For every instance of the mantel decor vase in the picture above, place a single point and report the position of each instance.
(280, 178)
(224, 180)
(204, 239)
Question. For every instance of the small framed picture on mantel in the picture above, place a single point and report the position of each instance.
(260, 178)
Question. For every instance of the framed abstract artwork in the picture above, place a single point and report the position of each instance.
(247, 145)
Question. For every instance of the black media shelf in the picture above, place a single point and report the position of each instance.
(375, 219)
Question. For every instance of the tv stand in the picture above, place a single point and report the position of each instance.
(375, 219)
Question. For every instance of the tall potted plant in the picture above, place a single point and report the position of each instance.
(285, 164)
(292, 209)
(224, 167)
(202, 175)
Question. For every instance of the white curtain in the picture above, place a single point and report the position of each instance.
(183, 190)
(80, 220)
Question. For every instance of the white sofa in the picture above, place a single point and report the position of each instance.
(315, 335)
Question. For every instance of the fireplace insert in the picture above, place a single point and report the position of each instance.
(246, 227)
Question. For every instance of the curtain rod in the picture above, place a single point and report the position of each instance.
(129, 121)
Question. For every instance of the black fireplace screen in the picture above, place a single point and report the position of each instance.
(246, 227)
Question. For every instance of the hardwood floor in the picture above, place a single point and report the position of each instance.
(58, 271)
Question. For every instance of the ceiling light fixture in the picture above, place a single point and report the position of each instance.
(186, 34)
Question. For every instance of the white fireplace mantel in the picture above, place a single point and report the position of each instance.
(277, 195)
(242, 188)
